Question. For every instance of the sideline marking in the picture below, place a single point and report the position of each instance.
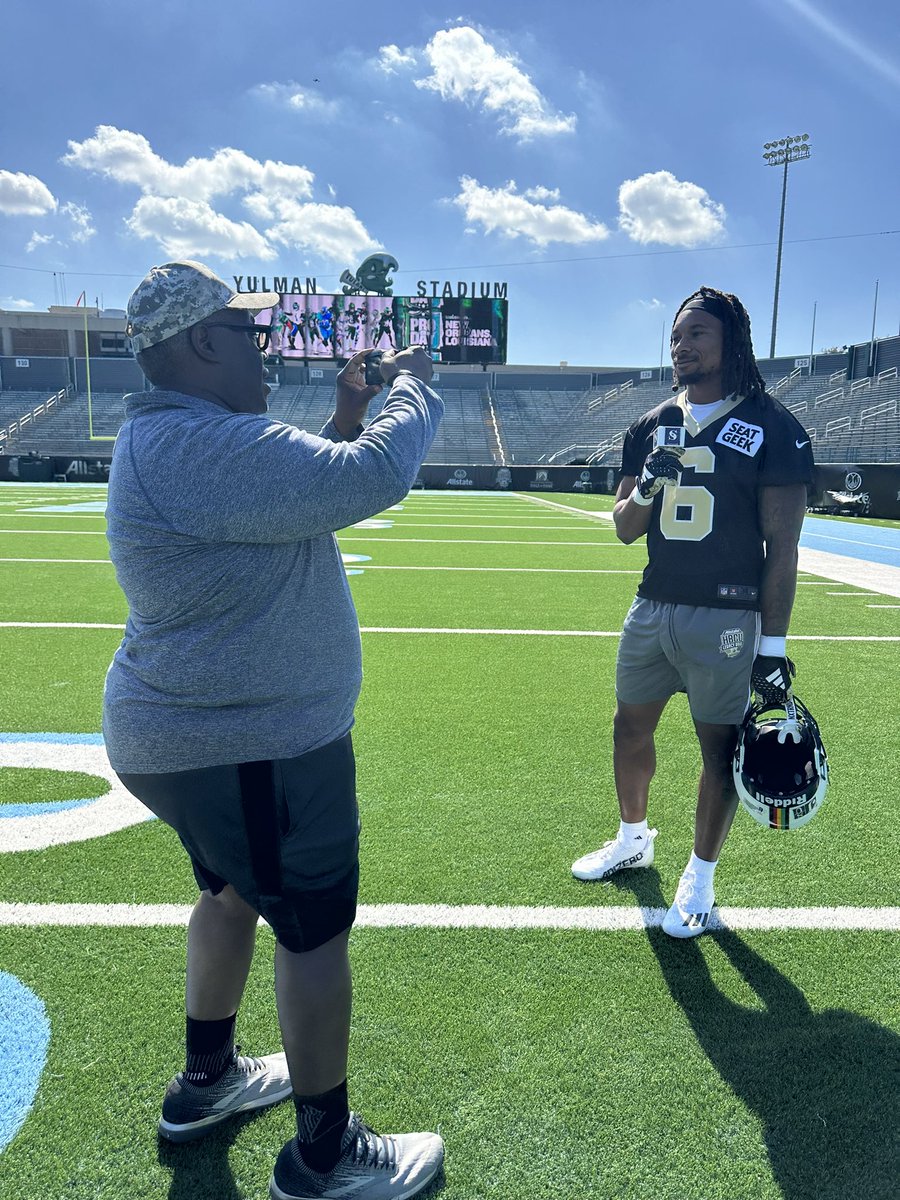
(474, 916)
(591, 514)
(857, 572)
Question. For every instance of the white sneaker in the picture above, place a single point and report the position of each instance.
(191, 1112)
(618, 855)
(372, 1166)
(691, 909)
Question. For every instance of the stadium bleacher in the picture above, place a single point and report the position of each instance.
(853, 421)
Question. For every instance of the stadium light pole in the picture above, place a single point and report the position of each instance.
(783, 153)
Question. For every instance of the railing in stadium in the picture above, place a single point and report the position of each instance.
(887, 407)
(826, 397)
(14, 428)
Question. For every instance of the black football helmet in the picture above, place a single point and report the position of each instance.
(780, 767)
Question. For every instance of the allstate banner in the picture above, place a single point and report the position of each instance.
(453, 477)
(874, 489)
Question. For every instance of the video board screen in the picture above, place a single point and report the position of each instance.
(458, 329)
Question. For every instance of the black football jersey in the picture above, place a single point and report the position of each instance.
(704, 543)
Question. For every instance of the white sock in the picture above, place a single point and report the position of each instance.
(702, 868)
(629, 830)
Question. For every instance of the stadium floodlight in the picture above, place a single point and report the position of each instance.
(783, 153)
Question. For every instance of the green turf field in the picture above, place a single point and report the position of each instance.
(756, 1063)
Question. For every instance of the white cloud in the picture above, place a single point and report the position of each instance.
(38, 239)
(652, 305)
(392, 59)
(24, 195)
(657, 207)
(175, 209)
(293, 96)
(468, 68)
(82, 221)
(191, 229)
(129, 158)
(8, 302)
(506, 211)
(541, 193)
(330, 230)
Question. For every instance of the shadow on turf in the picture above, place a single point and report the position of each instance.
(824, 1085)
(200, 1170)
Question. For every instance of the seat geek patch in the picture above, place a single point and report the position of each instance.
(746, 439)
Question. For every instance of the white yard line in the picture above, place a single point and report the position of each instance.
(473, 916)
(64, 532)
(387, 537)
(56, 625)
(595, 633)
(515, 570)
(401, 524)
(369, 566)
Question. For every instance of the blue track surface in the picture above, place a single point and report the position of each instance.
(872, 543)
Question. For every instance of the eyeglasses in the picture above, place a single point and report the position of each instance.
(258, 334)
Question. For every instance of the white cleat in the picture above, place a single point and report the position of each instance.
(617, 855)
(691, 909)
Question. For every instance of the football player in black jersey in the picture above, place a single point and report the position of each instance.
(722, 505)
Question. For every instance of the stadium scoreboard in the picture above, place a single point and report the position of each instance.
(455, 329)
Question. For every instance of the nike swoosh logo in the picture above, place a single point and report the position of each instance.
(800, 445)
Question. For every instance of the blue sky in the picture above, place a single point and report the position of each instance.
(603, 159)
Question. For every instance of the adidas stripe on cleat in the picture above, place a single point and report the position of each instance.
(191, 1112)
(691, 909)
(617, 855)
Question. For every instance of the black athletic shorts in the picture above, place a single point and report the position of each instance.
(284, 833)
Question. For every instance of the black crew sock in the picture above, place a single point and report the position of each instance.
(321, 1123)
(210, 1048)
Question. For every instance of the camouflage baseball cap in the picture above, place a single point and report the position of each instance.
(176, 296)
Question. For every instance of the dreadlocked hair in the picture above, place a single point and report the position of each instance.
(740, 374)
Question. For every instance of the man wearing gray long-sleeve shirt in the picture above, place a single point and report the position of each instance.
(229, 703)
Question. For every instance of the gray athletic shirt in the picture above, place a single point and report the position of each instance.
(242, 641)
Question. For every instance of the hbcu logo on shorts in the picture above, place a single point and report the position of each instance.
(731, 643)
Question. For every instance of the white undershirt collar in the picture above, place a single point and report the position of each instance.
(701, 411)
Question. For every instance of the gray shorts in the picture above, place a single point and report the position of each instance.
(284, 833)
(706, 652)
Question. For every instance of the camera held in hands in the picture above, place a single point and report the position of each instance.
(374, 377)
